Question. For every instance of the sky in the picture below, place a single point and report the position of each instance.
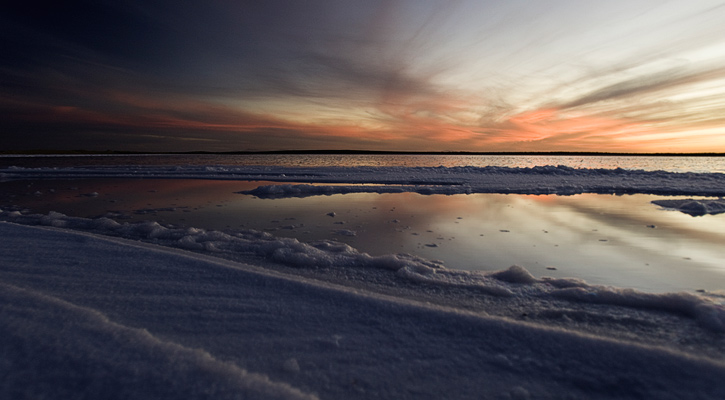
(405, 75)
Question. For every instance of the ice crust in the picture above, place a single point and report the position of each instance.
(424, 180)
(515, 281)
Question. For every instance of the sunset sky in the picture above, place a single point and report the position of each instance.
(408, 75)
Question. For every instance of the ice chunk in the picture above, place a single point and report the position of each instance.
(514, 274)
(694, 207)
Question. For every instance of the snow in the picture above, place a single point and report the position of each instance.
(424, 180)
(93, 308)
(54, 348)
(694, 207)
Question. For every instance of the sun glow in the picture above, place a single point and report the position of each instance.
(408, 76)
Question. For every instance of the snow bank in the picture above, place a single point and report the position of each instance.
(426, 180)
(289, 251)
(694, 207)
(85, 316)
(515, 282)
(54, 349)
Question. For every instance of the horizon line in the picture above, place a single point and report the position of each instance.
(356, 152)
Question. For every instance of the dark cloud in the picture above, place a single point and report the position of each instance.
(421, 74)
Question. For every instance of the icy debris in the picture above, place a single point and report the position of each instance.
(515, 274)
(707, 312)
(694, 207)
(518, 282)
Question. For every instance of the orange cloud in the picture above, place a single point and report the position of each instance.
(563, 130)
(430, 120)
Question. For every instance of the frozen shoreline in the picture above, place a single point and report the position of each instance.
(321, 319)
(426, 180)
(237, 329)
(338, 262)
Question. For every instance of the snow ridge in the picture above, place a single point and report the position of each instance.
(88, 317)
(109, 360)
(515, 282)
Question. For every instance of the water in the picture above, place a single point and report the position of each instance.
(622, 241)
(614, 240)
(647, 163)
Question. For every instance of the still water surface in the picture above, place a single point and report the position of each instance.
(623, 241)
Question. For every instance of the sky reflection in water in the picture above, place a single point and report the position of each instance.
(614, 240)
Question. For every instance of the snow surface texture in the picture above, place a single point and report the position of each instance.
(694, 207)
(85, 316)
(513, 282)
(424, 180)
(53, 348)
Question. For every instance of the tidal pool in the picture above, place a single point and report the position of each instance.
(622, 241)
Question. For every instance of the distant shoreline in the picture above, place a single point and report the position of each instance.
(358, 152)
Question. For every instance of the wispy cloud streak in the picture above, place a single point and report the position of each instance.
(383, 74)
